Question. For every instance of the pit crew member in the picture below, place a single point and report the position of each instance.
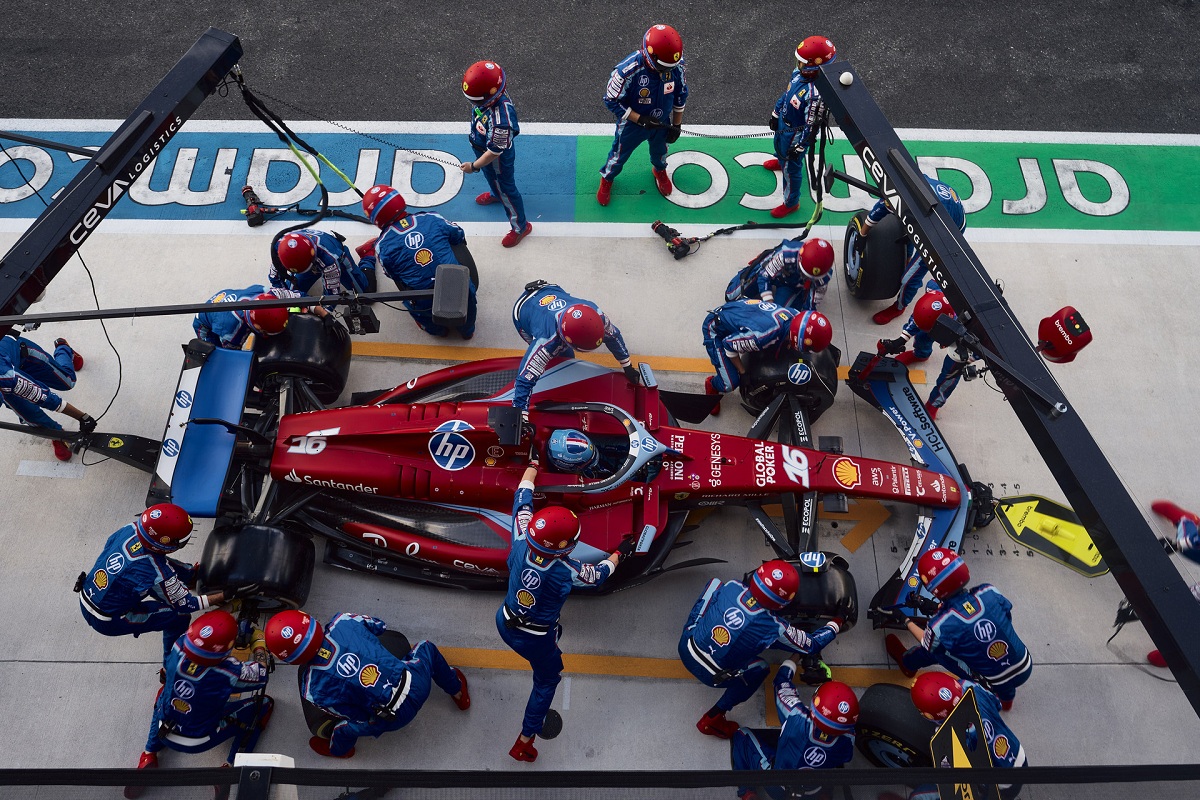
(797, 118)
(310, 255)
(554, 324)
(820, 737)
(28, 377)
(1187, 542)
(232, 329)
(935, 694)
(972, 633)
(410, 249)
(646, 90)
(193, 712)
(347, 672)
(135, 587)
(494, 129)
(914, 266)
(541, 574)
(729, 627)
(794, 275)
(748, 326)
(925, 313)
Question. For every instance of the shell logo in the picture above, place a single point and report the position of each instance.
(847, 473)
(525, 599)
(369, 675)
(100, 579)
(182, 706)
(1001, 746)
(720, 635)
(424, 256)
(997, 650)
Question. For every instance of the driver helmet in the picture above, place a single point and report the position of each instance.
(943, 572)
(816, 258)
(774, 584)
(293, 636)
(296, 252)
(662, 47)
(209, 639)
(927, 310)
(835, 708)
(935, 694)
(810, 332)
(267, 321)
(164, 528)
(581, 326)
(553, 531)
(571, 451)
(483, 82)
(812, 53)
(383, 205)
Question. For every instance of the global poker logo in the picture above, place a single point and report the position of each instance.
(799, 374)
(449, 449)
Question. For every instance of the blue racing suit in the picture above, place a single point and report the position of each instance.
(355, 678)
(28, 374)
(725, 634)
(801, 114)
(914, 266)
(410, 250)
(801, 744)
(536, 316)
(194, 712)
(742, 326)
(972, 636)
(132, 589)
(775, 276)
(494, 128)
(231, 329)
(636, 86)
(953, 365)
(334, 267)
(528, 620)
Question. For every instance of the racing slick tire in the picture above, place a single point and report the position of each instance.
(463, 254)
(826, 591)
(876, 273)
(811, 377)
(278, 560)
(308, 349)
(891, 732)
(321, 722)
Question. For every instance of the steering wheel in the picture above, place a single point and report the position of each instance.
(642, 447)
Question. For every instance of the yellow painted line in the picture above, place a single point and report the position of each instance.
(445, 352)
(858, 677)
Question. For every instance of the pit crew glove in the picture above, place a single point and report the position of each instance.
(87, 424)
(673, 133)
(632, 375)
(773, 123)
(626, 547)
(648, 122)
(242, 592)
(860, 241)
(894, 346)
(329, 321)
(796, 150)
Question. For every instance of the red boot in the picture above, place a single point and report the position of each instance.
(76, 359)
(782, 210)
(463, 700)
(1006, 705)
(486, 199)
(663, 180)
(512, 238)
(711, 390)
(886, 315)
(604, 193)
(772, 164)
(147, 761)
(61, 450)
(1156, 660)
(524, 751)
(931, 410)
(896, 651)
(910, 357)
(1165, 508)
(321, 747)
(717, 725)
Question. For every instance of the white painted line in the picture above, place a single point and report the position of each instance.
(50, 469)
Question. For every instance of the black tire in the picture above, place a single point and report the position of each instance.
(280, 561)
(320, 722)
(463, 254)
(875, 275)
(891, 732)
(310, 350)
(823, 596)
(774, 372)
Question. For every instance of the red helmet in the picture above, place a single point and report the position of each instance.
(774, 584)
(383, 205)
(164, 528)
(816, 258)
(810, 331)
(210, 637)
(662, 47)
(935, 694)
(553, 531)
(296, 252)
(943, 572)
(294, 637)
(582, 327)
(812, 53)
(483, 81)
(835, 708)
(927, 310)
(267, 321)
